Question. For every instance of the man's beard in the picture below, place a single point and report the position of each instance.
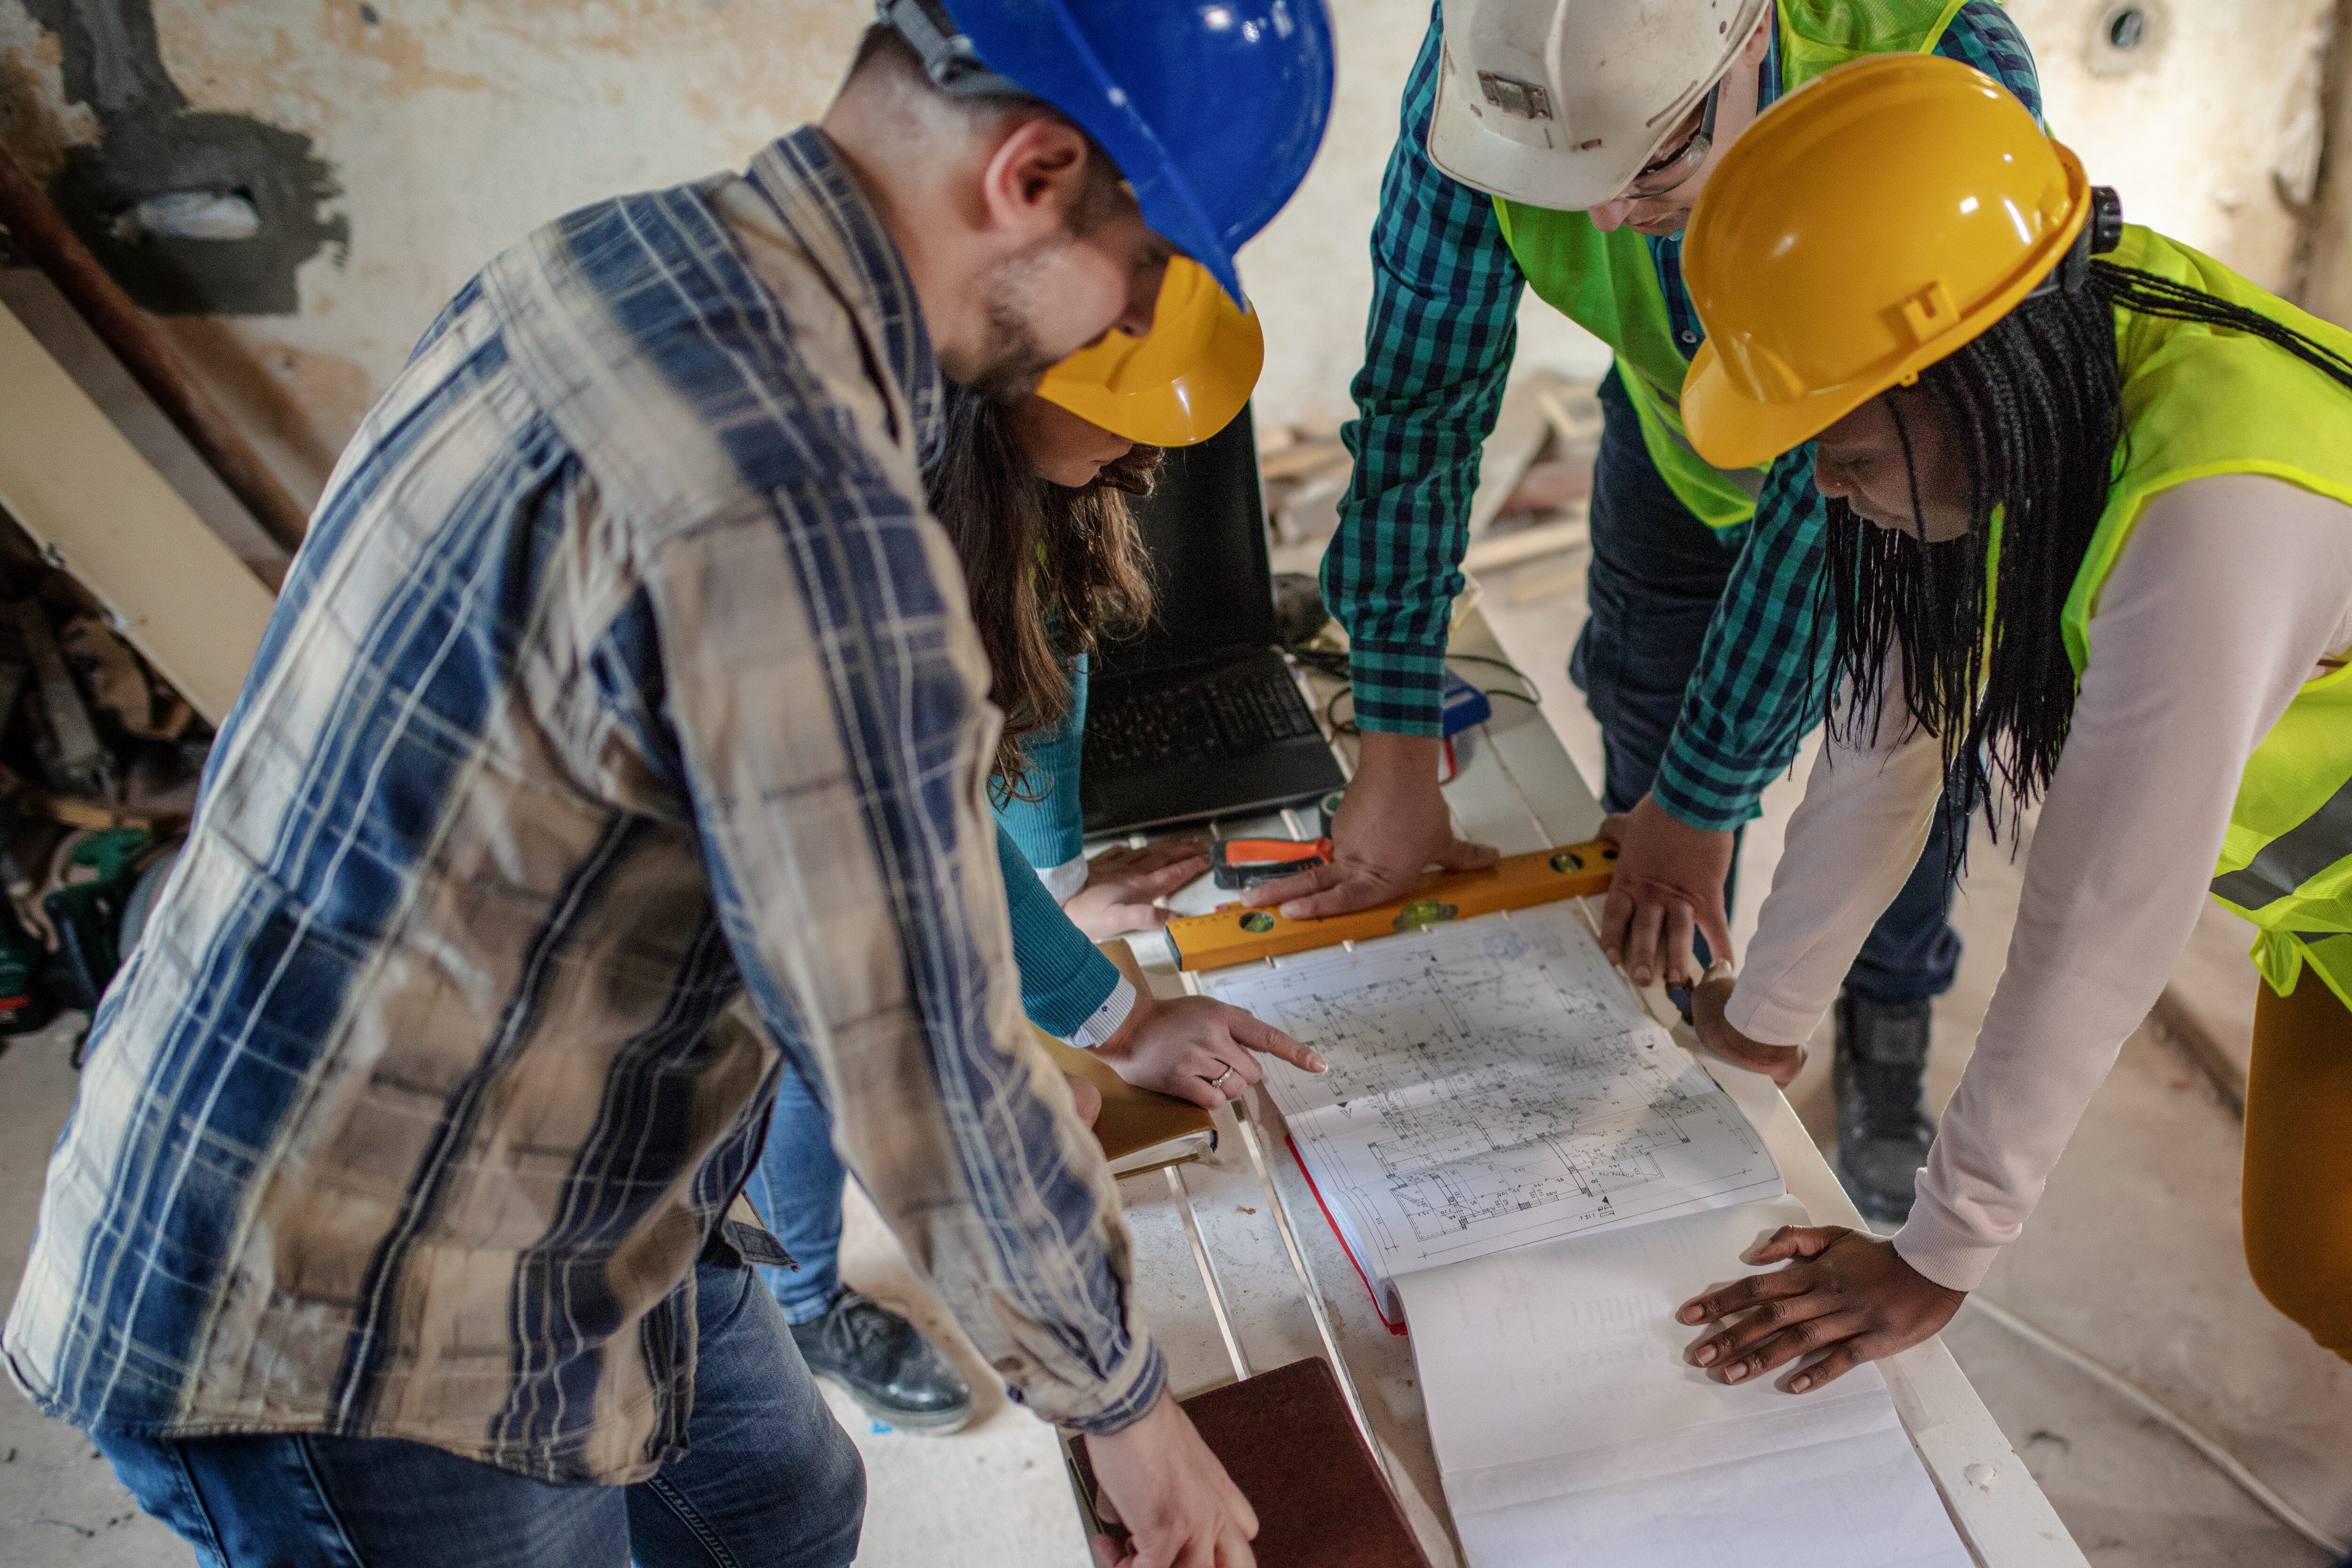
(1014, 361)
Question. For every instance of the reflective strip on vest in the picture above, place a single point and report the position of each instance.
(2208, 402)
(2294, 857)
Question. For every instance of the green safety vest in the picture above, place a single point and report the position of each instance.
(1608, 284)
(2202, 401)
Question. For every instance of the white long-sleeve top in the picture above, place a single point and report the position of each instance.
(2230, 595)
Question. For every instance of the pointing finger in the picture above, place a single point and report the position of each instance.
(1259, 1035)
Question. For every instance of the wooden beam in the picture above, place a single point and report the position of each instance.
(147, 354)
(70, 478)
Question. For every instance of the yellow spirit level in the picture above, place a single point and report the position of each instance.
(1236, 936)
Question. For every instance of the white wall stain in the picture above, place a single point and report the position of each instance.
(455, 126)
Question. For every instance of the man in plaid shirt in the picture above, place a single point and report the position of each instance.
(1698, 658)
(618, 745)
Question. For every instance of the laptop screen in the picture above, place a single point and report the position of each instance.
(1205, 529)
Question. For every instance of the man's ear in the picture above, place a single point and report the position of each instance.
(1035, 179)
(1759, 42)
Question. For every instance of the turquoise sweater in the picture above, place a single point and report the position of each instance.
(1064, 976)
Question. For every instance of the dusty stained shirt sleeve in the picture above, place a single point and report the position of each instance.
(827, 691)
(1437, 351)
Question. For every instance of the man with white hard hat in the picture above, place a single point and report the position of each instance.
(1559, 144)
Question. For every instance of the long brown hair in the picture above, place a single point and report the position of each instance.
(1051, 570)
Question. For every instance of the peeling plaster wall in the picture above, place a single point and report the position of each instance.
(451, 127)
(2191, 125)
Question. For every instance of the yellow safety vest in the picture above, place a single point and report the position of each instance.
(2200, 401)
(1608, 284)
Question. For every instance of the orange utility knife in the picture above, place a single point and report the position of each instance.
(1237, 863)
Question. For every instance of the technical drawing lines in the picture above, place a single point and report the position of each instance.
(1492, 1082)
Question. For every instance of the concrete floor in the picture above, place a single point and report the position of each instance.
(2134, 1257)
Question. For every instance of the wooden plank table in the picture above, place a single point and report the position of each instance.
(1516, 790)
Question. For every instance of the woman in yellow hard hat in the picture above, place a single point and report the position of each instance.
(1035, 495)
(2091, 545)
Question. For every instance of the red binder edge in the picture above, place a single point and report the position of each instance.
(1339, 1236)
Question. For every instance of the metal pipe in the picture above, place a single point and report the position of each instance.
(159, 368)
(1208, 1268)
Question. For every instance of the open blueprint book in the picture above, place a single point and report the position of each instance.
(1492, 1083)
(1569, 1430)
(1530, 1170)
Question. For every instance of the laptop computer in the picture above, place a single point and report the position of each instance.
(1199, 716)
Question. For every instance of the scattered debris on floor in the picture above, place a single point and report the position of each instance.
(99, 764)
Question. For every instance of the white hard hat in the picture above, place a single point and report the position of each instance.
(1560, 103)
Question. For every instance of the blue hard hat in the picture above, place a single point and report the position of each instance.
(1212, 108)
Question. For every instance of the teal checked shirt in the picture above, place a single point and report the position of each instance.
(1437, 352)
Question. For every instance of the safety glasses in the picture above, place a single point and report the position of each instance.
(1662, 175)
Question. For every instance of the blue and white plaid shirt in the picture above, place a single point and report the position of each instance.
(617, 745)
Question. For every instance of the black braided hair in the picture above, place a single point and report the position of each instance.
(2034, 408)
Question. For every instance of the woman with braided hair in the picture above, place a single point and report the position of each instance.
(2091, 521)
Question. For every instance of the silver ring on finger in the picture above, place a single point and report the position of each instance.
(1218, 1080)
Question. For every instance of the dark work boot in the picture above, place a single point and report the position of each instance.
(896, 1374)
(1882, 1110)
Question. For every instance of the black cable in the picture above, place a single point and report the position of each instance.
(1330, 711)
(1334, 665)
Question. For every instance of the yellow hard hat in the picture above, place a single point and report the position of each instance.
(1865, 227)
(1178, 386)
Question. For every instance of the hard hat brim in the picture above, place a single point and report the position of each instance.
(1184, 410)
(1561, 175)
(1733, 430)
(1462, 149)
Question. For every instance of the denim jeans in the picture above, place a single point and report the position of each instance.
(797, 1190)
(771, 1481)
(1656, 575)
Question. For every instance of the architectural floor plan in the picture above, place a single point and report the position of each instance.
(1491, 1083)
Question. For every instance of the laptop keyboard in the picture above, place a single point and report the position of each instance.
(1225, 716)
